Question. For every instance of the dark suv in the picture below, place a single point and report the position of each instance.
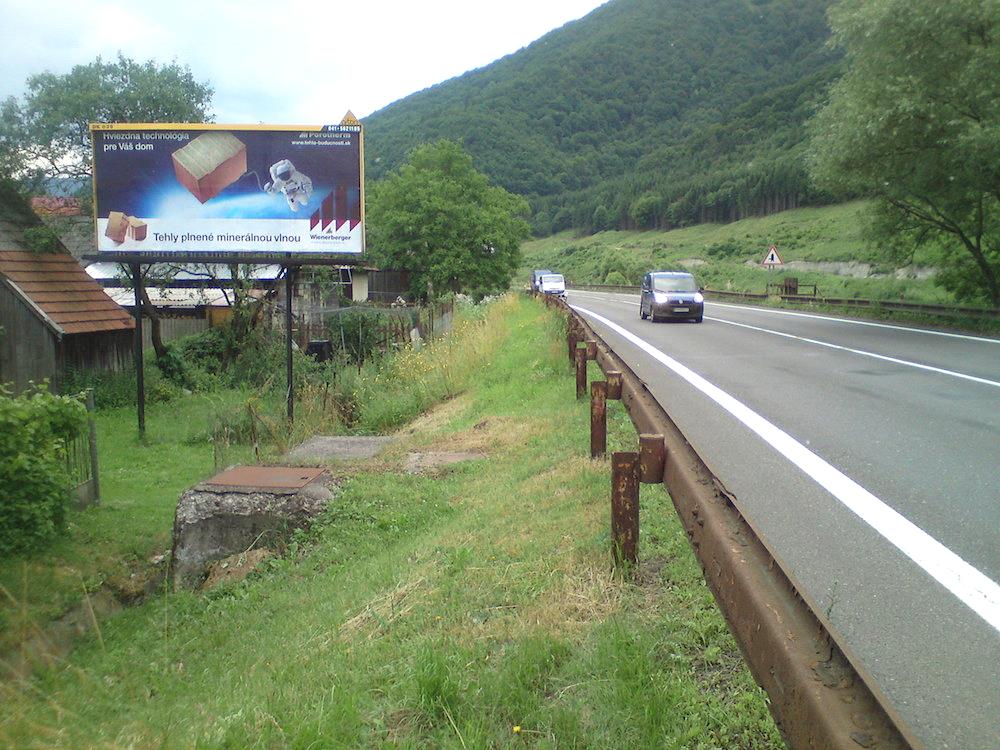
(671, 294)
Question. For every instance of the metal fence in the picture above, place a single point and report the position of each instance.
(811, 299)
(395, 326)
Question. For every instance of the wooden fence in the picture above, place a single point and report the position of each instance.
(81, 461)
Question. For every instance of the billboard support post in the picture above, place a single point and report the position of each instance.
(140, 385)
(289, 375)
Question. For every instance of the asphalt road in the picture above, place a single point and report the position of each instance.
(867, 458)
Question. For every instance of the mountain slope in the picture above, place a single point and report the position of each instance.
(643, 113)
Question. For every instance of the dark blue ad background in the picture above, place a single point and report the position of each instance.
(142, 183)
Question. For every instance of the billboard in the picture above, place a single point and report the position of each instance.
(206, 188)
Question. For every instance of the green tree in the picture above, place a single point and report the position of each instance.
(46, 135)
(915, 123)
(441, 220)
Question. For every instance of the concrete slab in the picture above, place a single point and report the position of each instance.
(338, 448)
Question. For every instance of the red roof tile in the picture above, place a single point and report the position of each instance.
(64, 291)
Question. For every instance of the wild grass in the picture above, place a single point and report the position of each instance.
(140, 482)
(472, 609)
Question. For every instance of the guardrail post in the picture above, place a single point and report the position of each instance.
(581, 372)
(614, 378)
(591, 349)
(652, 459)
(598, 418)
(625, 508)
(571, 341)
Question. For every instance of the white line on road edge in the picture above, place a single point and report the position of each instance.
(862, 352)
(975, 589)
(852, 321)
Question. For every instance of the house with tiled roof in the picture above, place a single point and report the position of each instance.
(53, 316)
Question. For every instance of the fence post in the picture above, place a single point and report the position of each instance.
(571, 341)
(652, 458)
(591, 349)
(92, 444)
(598, 418)
(581, 372)
(614, 378)
(625, 508)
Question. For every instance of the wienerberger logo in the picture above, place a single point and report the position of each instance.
(341, 206)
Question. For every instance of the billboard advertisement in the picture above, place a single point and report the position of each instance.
(163, 188)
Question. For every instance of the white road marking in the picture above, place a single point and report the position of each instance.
(830, 318)
(862, 352)
(851, 321)
(970, 585)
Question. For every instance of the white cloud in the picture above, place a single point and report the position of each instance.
(280, 62)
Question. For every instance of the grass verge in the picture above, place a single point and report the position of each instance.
(471, 608)
(728, 256)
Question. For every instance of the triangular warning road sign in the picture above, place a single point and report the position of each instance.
(772, 258)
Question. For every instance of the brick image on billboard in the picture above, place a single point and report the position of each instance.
(210, 163)
(136, 228)
(117, 226)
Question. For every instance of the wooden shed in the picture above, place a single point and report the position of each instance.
(55, 317)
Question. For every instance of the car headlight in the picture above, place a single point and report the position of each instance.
(661, 296)
(699, 297)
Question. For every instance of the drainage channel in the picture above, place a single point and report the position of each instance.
(817, 698)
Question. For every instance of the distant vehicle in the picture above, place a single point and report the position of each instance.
(671, 294)
(553, 283)
(536, 277)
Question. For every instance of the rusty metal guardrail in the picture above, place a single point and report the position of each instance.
(806, 299)
(817, 698)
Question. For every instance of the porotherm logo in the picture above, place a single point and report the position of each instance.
(340, 208)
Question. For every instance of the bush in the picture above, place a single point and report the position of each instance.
(111, 389)
(42, 240)
(34, 480)
(724, 250)
(616, 278)
(358, 334)
(116, 389)
(205, 350)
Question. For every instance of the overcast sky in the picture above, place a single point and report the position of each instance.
(278, 61)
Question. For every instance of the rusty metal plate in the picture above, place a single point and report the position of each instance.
(277, 477)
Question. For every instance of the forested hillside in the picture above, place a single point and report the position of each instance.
(645, 113)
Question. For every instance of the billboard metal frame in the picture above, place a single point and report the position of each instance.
(291, 262)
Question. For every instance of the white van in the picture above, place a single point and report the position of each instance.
(552, 283)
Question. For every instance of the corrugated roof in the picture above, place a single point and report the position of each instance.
(63, 291)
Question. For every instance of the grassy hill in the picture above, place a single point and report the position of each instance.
(645, 113)
(821, 246)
